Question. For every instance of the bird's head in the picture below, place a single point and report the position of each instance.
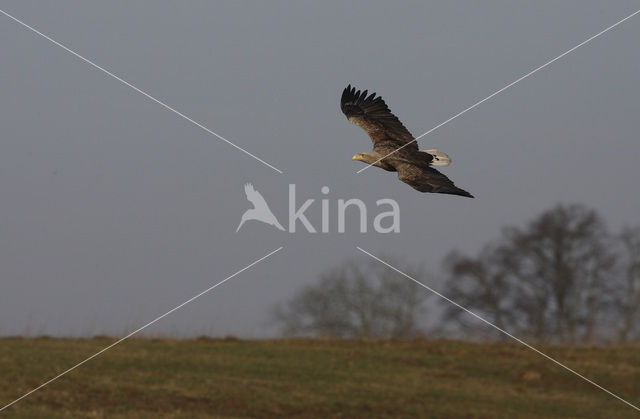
(374, 159)
(364, 157)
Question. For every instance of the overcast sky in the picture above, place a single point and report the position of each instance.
(114, 210)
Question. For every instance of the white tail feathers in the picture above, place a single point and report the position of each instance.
(439, 158)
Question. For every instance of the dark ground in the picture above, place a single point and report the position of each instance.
(151, 378)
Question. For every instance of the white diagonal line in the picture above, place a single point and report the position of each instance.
(505, 88)
(141, 328)
(86, 60)
(498, 328)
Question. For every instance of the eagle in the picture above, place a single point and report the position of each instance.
(394, 148)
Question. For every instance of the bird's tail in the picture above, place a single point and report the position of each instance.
(241, 223)
(439, 158)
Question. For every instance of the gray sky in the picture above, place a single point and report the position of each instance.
(114, 210)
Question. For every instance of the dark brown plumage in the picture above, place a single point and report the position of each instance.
(388, 135)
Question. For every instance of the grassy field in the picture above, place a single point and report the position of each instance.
(148, 378)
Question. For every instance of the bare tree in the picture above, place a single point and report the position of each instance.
(358, 299)
(478, 283)
(629, 290)
(550, 280)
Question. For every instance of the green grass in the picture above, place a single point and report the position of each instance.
(149, 378)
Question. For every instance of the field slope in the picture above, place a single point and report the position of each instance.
(149, 378)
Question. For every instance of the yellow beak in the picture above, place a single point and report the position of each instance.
(355, 157)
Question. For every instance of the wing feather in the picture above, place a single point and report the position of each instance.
(372, 114)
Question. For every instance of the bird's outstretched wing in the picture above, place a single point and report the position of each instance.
(427, 179)
(255, 197)
(372, 114)
(261, 211)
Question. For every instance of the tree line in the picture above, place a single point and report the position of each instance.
(563, 277)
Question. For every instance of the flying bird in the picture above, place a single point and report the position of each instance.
(414, 166)
(260, 210)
